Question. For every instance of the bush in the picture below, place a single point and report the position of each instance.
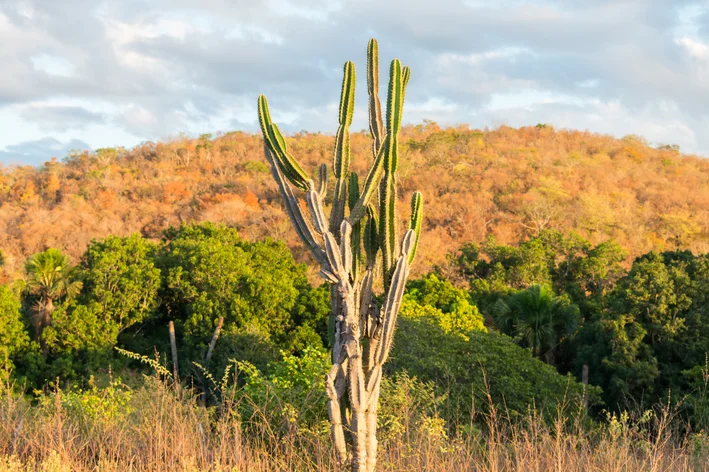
(440, 302)
(14, 339)
(262, 294)
(467, 369)
(119, 275)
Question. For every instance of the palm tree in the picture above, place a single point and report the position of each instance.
(537, 318)
(50, 277)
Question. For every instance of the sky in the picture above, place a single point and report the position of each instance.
(85, 74)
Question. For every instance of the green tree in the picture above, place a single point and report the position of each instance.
(619, 361)
(120, 276)
(567, 263)
(50, 278)
(655, 293)
(14, 339)
(505, 266)
(78, 342)
(655, 325)
(537, 319)
(292, 391)
(310, 315)
(263, 295)
(589, 277)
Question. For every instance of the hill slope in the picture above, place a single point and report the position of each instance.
(507, 182)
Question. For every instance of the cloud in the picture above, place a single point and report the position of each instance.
(60, 118)
(162, 67)
(664, 122)
(39, 151)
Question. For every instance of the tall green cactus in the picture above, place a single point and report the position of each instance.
(348, 248)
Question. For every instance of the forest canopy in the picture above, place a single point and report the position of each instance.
(507, 183)
(545, 251)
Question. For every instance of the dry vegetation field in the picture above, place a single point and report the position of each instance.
(508, 183)
(159, 428)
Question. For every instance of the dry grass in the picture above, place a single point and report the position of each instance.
(160, 429)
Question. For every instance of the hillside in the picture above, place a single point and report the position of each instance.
(509, 183)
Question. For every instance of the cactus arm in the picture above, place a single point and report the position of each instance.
(376, 126)
(346, 247)
(316, 210)
(387, 226)
(406, 76)
(373, 179)
(416, 219)
(342, 148)
(289, 165)
(322, 181)
(334, 412)
(372, 412)
(275, 142)
(357, 229)
(293, 210)
(387, 213)
(371, 238)
(341, 163)
(332, 251)
(358, 399)
(365, 301)
(393, 300)
(339, 201)
(354, 191)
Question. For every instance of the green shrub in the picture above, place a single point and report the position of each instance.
(447, 306)
(119, 275)
(14, 339)
(465, 370)
(257, 167)
(93, 405)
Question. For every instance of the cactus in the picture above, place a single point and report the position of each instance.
(351, 248)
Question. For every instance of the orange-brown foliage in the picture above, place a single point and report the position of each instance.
(510, 183)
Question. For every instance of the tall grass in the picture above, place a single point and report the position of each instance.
(159, 427)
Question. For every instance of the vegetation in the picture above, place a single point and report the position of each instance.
(258, 428)
(540, 320)
(505, 182)
(49, 279)
(14, 338)
(537, 266)
(454, 376)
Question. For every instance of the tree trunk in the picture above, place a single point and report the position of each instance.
(45, 319)
(173, 349)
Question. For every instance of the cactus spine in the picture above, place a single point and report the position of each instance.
(348, 248)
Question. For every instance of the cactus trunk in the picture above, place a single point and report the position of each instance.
(350, 249)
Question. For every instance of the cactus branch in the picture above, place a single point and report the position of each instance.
(370, 184)
(406, 76)
(416, 219)
(342, 148)
(357, 229)
(387, 190)
(302, 228)
(276, 143)
(322, 181)
(376, 127)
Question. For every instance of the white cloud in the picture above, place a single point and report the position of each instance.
(111, 73)
(53, 65)
(696, 49)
